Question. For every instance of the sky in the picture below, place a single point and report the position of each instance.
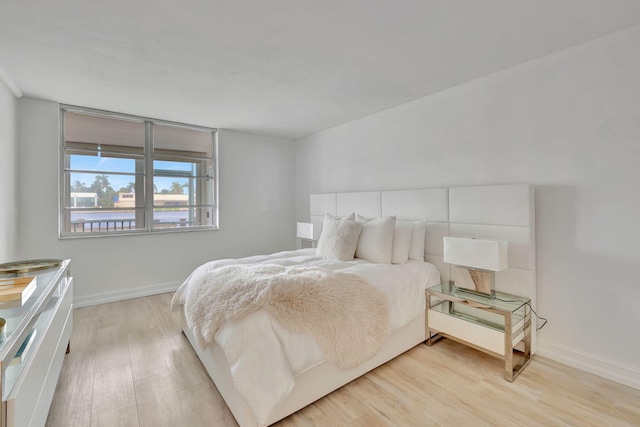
(100, 165)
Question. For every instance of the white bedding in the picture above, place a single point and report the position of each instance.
(265, 358)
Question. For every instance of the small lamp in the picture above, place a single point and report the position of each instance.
(308, 231)
(481, 257)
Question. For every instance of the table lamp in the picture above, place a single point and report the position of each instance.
(481, 257)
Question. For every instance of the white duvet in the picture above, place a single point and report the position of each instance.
(265, 358)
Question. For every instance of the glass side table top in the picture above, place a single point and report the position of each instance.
(499, 300)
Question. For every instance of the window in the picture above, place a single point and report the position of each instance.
(123, 174)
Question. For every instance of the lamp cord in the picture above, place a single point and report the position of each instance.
(544, 320)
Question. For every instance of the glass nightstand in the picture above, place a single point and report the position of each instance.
(499, 325)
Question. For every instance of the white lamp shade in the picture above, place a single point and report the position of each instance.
(308, 230)
(476, 253)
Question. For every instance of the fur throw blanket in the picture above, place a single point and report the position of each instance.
(348, 318)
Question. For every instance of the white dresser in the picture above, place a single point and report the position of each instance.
(32, 352)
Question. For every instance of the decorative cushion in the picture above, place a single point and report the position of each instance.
(416, 251)
(401, 242)
(375, 243)
(339, 238)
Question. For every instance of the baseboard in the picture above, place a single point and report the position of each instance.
(608, 369)
(79, 302)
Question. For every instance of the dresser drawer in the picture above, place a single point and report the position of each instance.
(29, 401)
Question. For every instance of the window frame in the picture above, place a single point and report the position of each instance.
(148, 177)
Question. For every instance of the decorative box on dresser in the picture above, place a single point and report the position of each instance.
(33, 349)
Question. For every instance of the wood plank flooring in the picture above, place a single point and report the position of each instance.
(130, 365)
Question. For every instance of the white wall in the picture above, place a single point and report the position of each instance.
(256, 214)
(8, 175)
(568, 123)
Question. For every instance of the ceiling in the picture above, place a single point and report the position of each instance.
(287, 68)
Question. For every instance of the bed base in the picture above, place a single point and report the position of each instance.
(310, 385)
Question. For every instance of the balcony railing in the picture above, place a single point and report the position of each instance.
(105, 225)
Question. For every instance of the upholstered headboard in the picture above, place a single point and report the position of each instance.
(505, 212)
(430, 204)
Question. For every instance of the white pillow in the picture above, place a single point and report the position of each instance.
(375, 243)
(401, 242)
(416, 251)
(339, 238)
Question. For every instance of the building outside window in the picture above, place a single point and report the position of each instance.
(123, 174)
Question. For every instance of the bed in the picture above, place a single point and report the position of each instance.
(257, 400)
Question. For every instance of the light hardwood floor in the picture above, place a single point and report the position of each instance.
(130, 365)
